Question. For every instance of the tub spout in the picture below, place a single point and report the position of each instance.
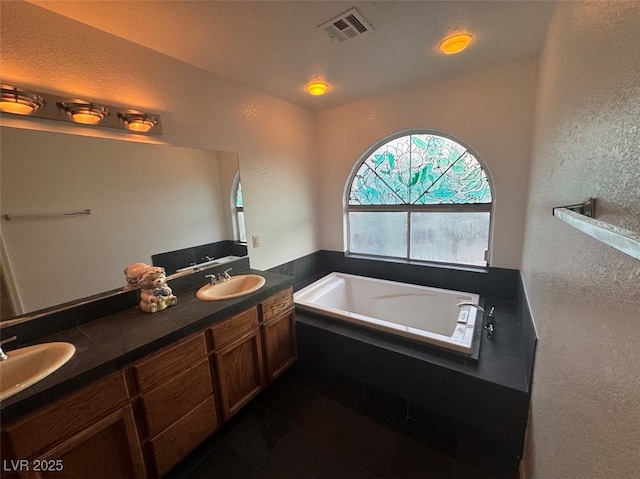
(465, 303)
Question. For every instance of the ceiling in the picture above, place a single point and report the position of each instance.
(276, 47)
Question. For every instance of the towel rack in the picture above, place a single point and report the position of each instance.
(52, 215)
(581, 216)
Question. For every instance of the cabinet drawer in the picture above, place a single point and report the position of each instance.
(230, 329)
(66, 416)
(277, 304)
(167, 403)
(183, 436)
(160, 367)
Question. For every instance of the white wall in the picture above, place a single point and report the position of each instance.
(492, 111)
(585, 296)
(275, 140)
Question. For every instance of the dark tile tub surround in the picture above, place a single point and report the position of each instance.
(173, 260)
(479, 406)
(454, 403)
(497, 283)
(528, 333)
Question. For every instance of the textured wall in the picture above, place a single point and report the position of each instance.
(490, 110)
(275, 140)
(585, 296)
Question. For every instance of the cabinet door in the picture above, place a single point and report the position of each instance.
(108, 448)
(183, 436)
(240, 372)
(280, 344)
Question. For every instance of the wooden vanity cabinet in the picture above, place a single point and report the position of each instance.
(238, 360)
(177, 402)
(141, 421)
(89, 433)
(279, 333)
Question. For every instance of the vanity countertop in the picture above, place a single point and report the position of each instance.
(113, 342)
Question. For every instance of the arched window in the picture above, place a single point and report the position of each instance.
(420, 197)
(238, 211)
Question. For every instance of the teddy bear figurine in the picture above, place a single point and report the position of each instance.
(132, 274)
(155, 293)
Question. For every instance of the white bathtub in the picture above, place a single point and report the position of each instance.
(425, 314)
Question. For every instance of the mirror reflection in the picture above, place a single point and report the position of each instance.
(145, 200)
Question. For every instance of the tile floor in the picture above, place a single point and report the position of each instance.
(304, 426)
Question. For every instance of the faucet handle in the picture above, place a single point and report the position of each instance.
(8, 340)
(212, 278)
(225, 273)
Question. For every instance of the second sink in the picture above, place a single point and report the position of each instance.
(26, 366)
(232, 288)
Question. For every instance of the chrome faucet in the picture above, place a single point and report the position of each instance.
(466, 303)
(489, 322)
(3, 355)
(220, 277)
(224, 276)
(489, 318)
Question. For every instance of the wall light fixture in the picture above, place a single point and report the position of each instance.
(38, 105)
(138, 121)
(84, 112)
(20, 102)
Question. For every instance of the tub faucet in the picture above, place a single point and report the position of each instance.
(466, 303)
(489, 322)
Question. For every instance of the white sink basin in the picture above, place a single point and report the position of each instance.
(26, 366)
(232, 288)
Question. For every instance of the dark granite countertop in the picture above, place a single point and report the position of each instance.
(115, 341)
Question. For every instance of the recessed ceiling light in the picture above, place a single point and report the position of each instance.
(455, 43)
(317, 88)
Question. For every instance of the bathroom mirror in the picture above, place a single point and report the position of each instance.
(134, 200)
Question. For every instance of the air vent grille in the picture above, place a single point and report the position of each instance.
(349, 25)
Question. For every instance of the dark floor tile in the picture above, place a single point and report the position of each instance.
(432, 436)
(256, 436)
(311, 375)
(347, 381)
(288, 401)
(368, 445)
(413, 460)
(325, 419)
(197, 455)
(244, 412)
(308, 448)
(383, 415)
(223, 462)
(486, 460)
(345, 397)
(386, 398)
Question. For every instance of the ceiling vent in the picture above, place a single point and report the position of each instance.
(349, 25)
